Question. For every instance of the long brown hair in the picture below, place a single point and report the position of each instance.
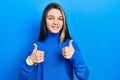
(64, 34)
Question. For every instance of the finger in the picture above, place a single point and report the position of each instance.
(65, 49)
(70, 43)
(35, 46)
(64, 55)
(39, 61)
(39, 58)
(40, 53)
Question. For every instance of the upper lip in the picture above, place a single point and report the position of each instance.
(55, 26)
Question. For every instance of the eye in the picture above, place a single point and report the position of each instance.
(50, 18)
(60, 18)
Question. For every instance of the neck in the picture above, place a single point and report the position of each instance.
(52, 37)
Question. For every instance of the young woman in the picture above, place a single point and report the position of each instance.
(55, 56)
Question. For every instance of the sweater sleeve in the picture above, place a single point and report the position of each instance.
(27, 72)
(80, 68)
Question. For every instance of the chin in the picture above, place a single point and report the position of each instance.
(54, 31)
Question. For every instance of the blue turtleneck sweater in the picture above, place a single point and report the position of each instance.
(55, 66)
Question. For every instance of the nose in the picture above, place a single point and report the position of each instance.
(55, 22)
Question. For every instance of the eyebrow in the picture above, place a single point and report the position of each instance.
(53, 16)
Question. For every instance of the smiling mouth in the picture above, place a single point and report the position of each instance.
(55, 27)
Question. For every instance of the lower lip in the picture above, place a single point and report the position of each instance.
(55, 27)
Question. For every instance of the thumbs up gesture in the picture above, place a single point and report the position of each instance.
(37, 56)
(68, 51)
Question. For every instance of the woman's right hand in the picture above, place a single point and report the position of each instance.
(37, 56)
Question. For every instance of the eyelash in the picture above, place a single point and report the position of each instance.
(60, 18)
(50, 18)
(53, 18)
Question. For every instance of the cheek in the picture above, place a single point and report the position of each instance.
(61, 23)
(48, 23)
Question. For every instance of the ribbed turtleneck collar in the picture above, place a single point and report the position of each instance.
(52, 38)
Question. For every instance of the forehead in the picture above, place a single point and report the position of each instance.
(54, 12)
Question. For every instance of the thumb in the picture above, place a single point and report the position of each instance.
(35, 46)
(70, 43)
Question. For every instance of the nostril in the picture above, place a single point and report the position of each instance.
(56, 23)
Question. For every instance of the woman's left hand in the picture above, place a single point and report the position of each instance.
(68, 51)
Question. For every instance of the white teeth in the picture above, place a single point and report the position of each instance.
(55, 26)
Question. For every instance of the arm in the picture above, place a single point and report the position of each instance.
(80, 68)
(28, 72)
(29, 69)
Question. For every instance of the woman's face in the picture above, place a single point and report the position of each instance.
(54, 20)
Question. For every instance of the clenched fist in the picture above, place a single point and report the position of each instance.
(68, 51)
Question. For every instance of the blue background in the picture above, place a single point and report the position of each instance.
(93, 24)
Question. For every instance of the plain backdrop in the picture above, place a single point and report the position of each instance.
(93, 24)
